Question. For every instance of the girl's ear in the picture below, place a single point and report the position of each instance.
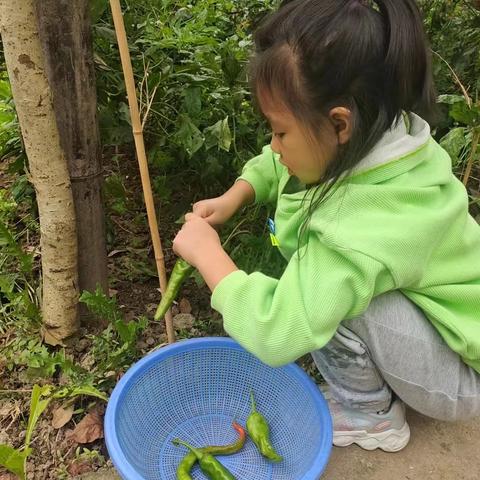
(341, 119)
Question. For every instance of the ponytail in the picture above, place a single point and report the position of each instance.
(407, 61)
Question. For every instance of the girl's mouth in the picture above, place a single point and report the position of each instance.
(290, 171)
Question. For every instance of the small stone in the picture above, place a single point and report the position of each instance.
(150, 341)
(183, 321)
(88, 361)
(82, 345)
(151, 307)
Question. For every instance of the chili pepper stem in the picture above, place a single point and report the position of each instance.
(198, 453)
(252, 401)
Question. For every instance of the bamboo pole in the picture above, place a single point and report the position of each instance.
(473, 154)
(141, 154)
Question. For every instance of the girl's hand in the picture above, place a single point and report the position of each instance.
(199, 244)
(196, 240)
(215, 211)
(218, 210)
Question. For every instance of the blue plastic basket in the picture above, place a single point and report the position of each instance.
(193, 390)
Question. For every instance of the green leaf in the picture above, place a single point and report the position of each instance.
(230, 65)
(193, 101)
(160, 157)
(37, 406)
(90, 390)
(106, 33)
(451, 99)
(97, 9)
(188, 135)
(5, 90)
(5, 118)
(219, 134)
(454, 142)
(461, 112)
(99, 304)
(7, 240)
(7, 283)
(13, 460)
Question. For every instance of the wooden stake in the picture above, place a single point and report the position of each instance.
(141, 154)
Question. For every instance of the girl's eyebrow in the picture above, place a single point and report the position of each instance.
(275, 120)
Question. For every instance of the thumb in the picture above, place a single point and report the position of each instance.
(201, 209)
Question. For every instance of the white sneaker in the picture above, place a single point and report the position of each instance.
(388, 431)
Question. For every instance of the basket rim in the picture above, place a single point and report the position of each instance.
(119, 460)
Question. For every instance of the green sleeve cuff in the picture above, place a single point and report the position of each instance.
(224, 287)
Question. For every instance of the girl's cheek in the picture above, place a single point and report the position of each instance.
(274, 145)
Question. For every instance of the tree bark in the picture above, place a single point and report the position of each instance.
(48, 167)
(65, 33)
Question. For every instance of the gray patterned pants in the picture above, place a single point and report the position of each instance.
(393, 347)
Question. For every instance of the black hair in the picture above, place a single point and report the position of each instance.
(370, 57)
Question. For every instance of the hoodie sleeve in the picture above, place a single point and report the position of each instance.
(263, 174)
(279, 320)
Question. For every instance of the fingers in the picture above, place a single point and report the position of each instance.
(191, 216)
(201, 209)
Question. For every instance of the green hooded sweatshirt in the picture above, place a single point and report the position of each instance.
(399, 221)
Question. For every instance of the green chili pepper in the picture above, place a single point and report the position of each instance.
(181, 271)
(208, 463)
(185, 466)
(259, 430)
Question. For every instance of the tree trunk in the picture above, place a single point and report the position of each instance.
(65, 32)
(48, 167)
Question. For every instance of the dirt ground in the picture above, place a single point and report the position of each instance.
(437, 451)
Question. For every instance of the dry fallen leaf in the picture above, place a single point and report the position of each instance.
(61, 416)
(89, 429)
(185, 306)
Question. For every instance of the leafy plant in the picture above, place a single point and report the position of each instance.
(18, 286)
(462, 142)
(14, 459)
(189, 61)
(453, 29)
(115, 194)
(10, 137)
(115, 348)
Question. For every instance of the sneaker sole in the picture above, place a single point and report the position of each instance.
(389, 441)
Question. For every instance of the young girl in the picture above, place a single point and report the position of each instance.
(382, 284)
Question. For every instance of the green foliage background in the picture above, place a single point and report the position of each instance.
(192, 55)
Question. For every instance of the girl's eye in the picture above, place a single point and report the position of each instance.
(280, 135)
